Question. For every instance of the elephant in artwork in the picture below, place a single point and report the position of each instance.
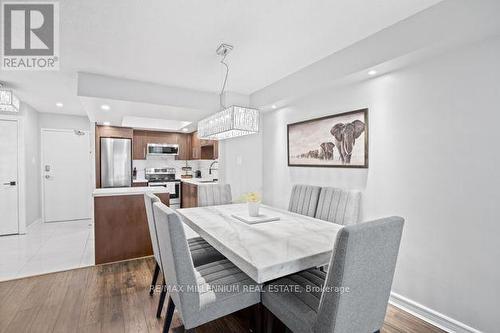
(313, 154)
(327, 150)
(345, 137)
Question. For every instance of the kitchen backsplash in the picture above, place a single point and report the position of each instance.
(171, 162)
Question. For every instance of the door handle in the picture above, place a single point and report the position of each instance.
(47, 176)
(12, 183)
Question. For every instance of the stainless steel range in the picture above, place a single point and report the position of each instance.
(165, 177)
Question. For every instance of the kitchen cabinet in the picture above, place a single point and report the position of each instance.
(121, 227)
(141, 184)
(184, 142)
(161, 137)
(189, 195)
(139, 145)
(190, 146)
(195, 146)
(203, 149)
(216, 150)
(142, 138)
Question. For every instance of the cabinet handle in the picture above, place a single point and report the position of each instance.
(144, 152)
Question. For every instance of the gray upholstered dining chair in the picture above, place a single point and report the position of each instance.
(204, 293)
(304, 199)
(353, 296)
(338, 205)
(201, 252)
(214, 194)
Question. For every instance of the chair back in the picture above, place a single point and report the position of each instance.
(214, 194)
(149, 200)
(178, 268)
(364, 260)
(338, 205)
(304, 199)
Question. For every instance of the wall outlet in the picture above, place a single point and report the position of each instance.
(239, 160)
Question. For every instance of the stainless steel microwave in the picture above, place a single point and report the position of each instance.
(161, 149)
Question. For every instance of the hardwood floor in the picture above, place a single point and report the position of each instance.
(115, 298)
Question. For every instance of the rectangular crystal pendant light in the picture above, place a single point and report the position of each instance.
(229, 123)
(8, 101)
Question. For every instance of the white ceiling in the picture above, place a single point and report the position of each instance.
(119, 110)
(173, 42)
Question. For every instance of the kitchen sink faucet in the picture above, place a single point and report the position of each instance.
(210, 167)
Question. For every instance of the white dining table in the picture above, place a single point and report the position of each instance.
(268, 250)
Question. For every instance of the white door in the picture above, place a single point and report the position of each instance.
(8, 178)
(66, 175)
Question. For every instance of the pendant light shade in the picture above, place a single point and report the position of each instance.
(229, 123)
(8, 101)
(232, 121)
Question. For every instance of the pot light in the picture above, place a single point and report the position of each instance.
(106, 123)
(372, 72)
(59, 104)
(274, 106)
(105, 107)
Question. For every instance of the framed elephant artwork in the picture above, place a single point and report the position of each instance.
(337, 141)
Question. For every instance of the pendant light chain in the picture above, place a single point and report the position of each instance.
(222, 106)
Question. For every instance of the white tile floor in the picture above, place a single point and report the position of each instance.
(47, 247)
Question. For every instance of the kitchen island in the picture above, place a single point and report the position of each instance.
(189, 190)
(120, 223)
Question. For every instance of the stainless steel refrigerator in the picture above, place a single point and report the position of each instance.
(116, 162)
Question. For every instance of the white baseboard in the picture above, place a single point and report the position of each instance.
(432, 317)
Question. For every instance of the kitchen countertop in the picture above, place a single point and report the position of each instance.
(106, 192)
(198, 181)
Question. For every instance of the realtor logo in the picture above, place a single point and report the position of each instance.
(30, 36)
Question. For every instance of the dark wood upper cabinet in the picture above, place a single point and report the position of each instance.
(190, 146)
(184, 142)
(162, 137)
(142, 138)
(202, 149)
(139, 145)
(216, 150)
(113, 132)
(195, 146)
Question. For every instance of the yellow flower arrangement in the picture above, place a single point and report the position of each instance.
(251, 197)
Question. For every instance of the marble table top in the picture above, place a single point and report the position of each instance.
(264, 251)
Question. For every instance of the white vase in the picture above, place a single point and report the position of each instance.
(253, 209)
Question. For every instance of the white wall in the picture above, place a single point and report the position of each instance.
(61, 121)
(31, 123)
(29, 161)
(433, 160)
(241, 164)
(241, 158)
(32, 163)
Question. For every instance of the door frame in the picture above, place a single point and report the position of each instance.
(42, 185)
(21, 200)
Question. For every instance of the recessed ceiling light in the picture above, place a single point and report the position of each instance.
(274, 106)
(59, 104)
(105, 107)
(372, 72)
(106, 123)
(184, 129)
